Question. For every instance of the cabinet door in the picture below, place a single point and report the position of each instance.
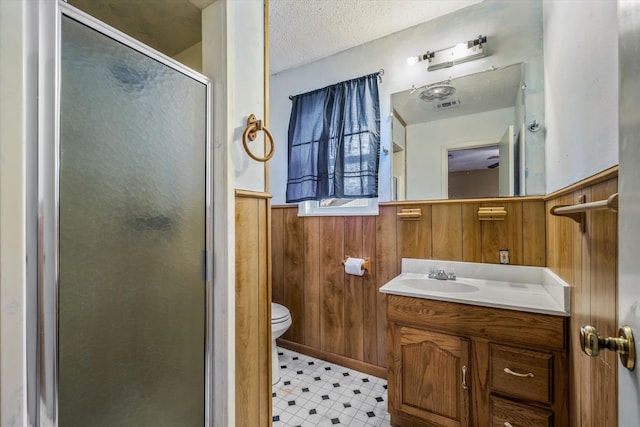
(429, 378)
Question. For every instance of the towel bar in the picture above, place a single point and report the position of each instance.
(578, 211)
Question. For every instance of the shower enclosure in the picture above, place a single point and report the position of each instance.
(124, 256)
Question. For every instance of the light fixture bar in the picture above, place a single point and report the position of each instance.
(463, 52)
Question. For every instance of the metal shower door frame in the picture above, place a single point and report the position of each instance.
(43, 210)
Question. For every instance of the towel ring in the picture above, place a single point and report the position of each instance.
(250, 133)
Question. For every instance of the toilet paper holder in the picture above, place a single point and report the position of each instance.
(365, 264)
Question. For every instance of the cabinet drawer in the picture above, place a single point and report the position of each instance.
(521, 373)
(505, 413)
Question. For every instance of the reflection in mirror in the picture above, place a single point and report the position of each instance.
(480, 169)
(475, 123)
(473, 172)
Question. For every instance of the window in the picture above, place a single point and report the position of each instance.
(334, 144)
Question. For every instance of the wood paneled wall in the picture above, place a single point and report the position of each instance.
(342, 318)
(588, 261)
(253, 309)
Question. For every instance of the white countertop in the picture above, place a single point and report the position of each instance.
(531, 289)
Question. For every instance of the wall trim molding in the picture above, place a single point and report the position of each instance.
(446, 201)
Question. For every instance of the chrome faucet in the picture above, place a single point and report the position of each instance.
(440, 274)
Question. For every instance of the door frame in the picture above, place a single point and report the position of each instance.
(444, 156)
(43, 207)
(629, 190)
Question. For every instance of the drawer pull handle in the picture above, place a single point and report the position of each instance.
(507, 424)
(518, 374)
(464, 377)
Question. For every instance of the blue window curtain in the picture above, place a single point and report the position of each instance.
(334, 142)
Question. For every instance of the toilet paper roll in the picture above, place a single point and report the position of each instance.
(354, 266)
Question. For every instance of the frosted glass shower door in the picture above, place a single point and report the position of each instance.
(132, 191)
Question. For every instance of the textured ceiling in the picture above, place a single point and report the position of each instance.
(301, 32)
(477, 93)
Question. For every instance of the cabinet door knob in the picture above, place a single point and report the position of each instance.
(464, 377)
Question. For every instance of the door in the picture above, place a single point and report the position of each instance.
(430, 375)
(128, 296)
(506, 170)
(629, 191)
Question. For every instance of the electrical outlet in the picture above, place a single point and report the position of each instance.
(504, 256)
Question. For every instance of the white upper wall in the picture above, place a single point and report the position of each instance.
(246, 89)
(581, 84)
(514, 31)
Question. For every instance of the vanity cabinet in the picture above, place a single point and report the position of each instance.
(452, 364)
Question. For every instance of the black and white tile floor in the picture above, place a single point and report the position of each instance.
(313, 392)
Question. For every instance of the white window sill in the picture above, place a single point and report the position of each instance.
(350, 207)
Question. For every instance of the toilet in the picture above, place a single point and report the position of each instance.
(280, 322)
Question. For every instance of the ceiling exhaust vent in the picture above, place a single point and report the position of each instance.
(445, 105)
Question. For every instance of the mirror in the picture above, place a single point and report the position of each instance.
(460, 138)
(514, 38)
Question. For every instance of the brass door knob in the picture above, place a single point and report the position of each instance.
(592, 343)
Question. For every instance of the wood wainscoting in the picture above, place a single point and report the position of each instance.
(342, 318)
(588, 261)
(253, 309)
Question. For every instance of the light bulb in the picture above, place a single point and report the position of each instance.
(460, 50)
(412, 60)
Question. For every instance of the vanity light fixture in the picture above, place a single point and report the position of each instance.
(462, 52)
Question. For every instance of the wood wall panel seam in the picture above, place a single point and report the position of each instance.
(293, 273)
(311, 278)
(370, 292)
(354, 292)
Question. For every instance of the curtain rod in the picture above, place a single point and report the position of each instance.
(380, 73)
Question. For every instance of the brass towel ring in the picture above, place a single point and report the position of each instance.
(250, 132)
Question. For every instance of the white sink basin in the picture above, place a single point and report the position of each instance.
(514, 287)
(433, 285)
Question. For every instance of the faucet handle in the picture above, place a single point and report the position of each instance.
(451, 274)
(432, 272)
